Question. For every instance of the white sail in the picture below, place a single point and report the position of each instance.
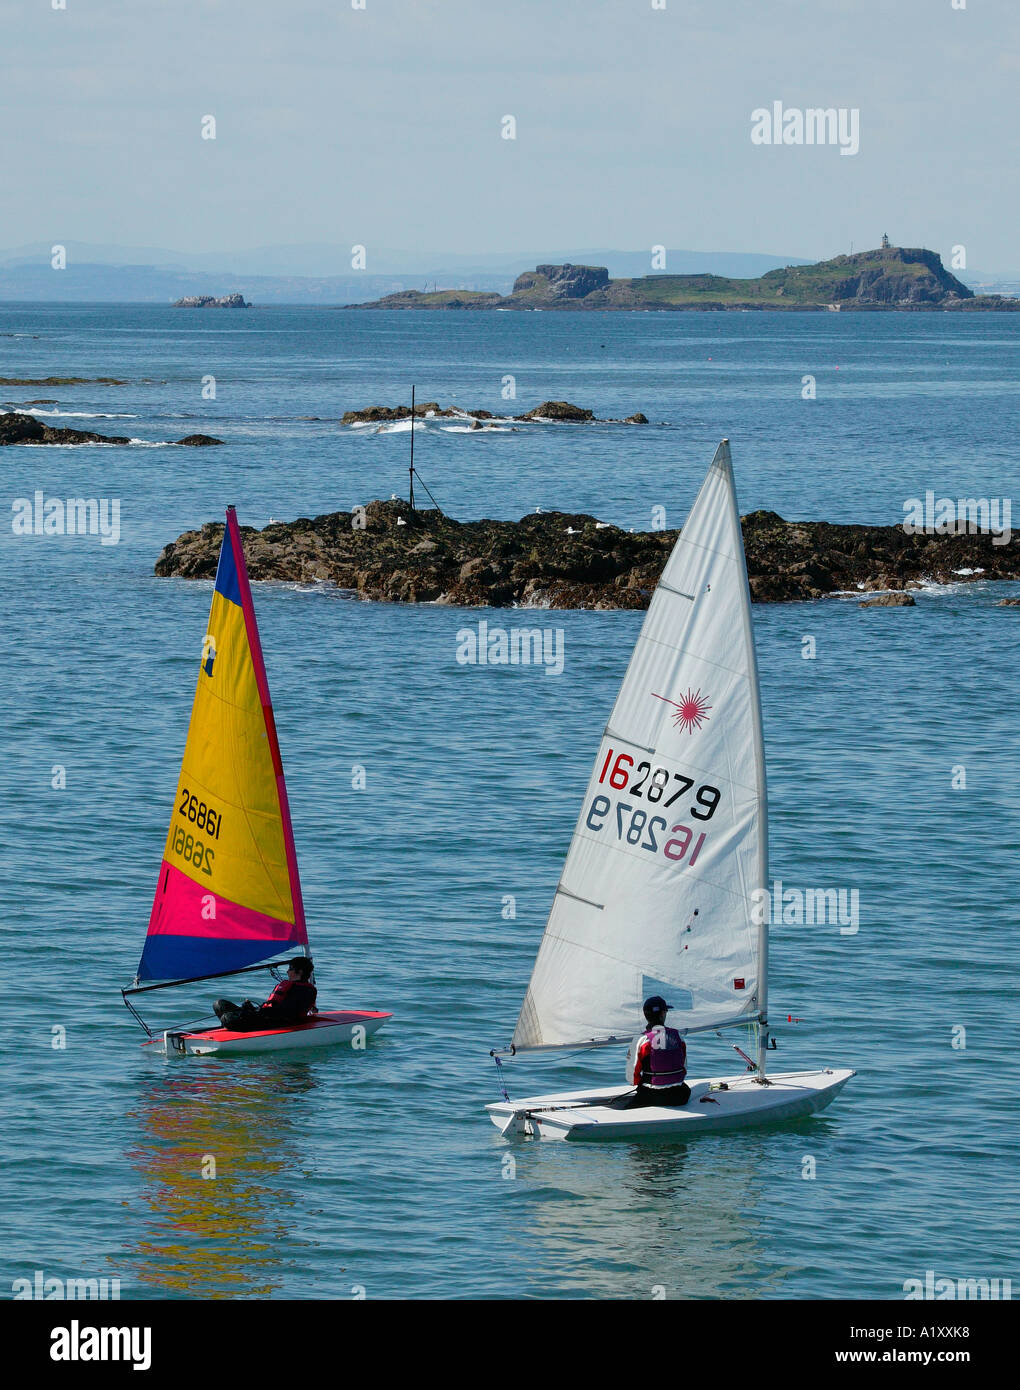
(672, 840)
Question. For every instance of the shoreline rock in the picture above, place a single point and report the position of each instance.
(556, 412)
(16, 428)
(63, 380)
(899, 600)
(566, 560)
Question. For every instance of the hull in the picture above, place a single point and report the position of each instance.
(585, 1116)
(327, 1029)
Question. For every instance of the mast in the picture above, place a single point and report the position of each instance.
(763, 819)
(411, 470)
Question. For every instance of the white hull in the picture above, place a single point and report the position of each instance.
(330, 1029)
(585, 1116)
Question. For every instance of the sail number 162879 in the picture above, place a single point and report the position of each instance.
(639, 827)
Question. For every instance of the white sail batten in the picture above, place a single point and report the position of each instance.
(672, 842)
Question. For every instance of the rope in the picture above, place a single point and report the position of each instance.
(417, 474)
(502, 1080)
(137, 1015)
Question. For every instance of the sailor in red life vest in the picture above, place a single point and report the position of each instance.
(290, 1003)
(657, 1061)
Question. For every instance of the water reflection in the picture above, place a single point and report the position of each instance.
(644, 1220)
(235, 1234)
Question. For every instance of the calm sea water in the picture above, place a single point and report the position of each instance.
(380, 1172)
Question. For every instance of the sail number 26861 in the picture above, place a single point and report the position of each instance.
(199, 814)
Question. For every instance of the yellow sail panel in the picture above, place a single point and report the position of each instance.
(228, 780)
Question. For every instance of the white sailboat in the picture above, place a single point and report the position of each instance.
(662, 890)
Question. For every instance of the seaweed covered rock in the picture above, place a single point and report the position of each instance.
(386, 550)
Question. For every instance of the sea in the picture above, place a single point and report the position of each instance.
(433, 802)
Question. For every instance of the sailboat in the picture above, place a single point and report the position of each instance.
(228, 899)
(664, 884)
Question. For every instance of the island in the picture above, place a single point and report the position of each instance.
(388, 551)
(208, 301)
(890, 277)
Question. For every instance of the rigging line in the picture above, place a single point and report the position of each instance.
(502, 1078)
(578, 1104)
(417, 473)
(198, 979)
(137, 1015)
(193, 1027)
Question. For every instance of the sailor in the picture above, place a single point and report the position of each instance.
(290, 1003)
(657, 1061)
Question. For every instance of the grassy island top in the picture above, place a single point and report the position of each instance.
(891, 277)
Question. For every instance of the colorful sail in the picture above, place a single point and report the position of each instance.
(228, 893)
(657, 894)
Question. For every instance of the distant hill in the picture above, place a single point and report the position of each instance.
(890, 277)
(320, 274)
(306, 274)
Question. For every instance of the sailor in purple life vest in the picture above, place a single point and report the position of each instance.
(657, 1061)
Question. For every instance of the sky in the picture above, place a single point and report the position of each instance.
(382, 126)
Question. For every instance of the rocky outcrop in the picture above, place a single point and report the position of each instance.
(208, 301)
(562, 281)
(559, 411)
(564, 560)
(62, 380)
(889, 601)
(16, 428)
(386, 414)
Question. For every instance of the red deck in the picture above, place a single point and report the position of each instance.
(323, 1019)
